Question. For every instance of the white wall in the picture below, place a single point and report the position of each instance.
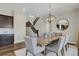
(5, 12)
(20, 20)
(70, 16)
(73, 18)
(19, 27)
(41, 26)
(19, 24)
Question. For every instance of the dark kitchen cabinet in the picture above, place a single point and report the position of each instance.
(6, 39)
(6, 22)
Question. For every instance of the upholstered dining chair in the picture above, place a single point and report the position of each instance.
(66, 42)
(57, 48)
(31, 45)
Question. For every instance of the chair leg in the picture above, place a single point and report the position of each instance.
(62, 51)
(33, 54)
(66, 47)
(45, 51)
(30, 52)
(57, 54)
(26, 52)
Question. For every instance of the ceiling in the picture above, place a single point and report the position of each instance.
(39, 8)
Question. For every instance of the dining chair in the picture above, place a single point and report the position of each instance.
(66, 42)
(57, 48)
(31, 45)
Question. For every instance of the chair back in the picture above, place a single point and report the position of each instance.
(31, 43)
(61, 43)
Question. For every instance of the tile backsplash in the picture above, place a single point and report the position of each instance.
(6, 31)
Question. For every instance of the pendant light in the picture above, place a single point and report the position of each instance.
(50, 17)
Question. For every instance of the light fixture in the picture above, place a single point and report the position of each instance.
(31, 16)
(23, 9)
(50, 18)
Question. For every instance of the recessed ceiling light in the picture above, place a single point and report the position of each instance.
(31, 16)
(49, 9)
(24, 9)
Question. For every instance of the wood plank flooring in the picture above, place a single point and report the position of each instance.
(9, 50)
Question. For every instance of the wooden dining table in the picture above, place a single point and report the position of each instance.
(44, 41)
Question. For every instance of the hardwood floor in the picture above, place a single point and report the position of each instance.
(9, 50)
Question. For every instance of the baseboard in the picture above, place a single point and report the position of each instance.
(72, 43)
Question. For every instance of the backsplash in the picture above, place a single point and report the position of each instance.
(6, 31)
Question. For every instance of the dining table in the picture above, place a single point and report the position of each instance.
(41, 41)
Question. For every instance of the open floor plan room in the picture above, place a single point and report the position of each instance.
(39, 29)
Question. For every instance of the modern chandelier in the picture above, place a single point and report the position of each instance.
(50, 17)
